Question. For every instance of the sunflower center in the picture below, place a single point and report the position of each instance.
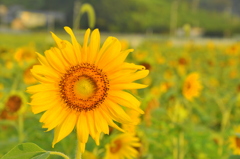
(14, 103)
(237, 142)
(116, 147)
(84, 87)
(188, 85)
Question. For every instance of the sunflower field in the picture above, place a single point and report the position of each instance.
(184, 103)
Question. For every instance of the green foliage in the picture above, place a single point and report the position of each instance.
(143, 15)
(155, 15)
(27, 151)
(85, 8)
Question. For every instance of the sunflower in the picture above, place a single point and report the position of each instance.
(123, 146)
(83, 86)
(192, 86)
(235, 141)
(152, 104)
(25, 54)
(13, 105)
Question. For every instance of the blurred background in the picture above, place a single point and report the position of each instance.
(191, 48)
(218, 18)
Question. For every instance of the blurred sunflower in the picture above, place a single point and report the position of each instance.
(159, 58)
(9, 64)
(191, 86)
(211, 45)
(14, 104)
(25, 54)
(123, 146)
(83, 87)
(151, 106)
(233, 50)
(235, 141)
(140, 55)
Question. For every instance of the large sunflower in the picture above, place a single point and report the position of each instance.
(83, 86)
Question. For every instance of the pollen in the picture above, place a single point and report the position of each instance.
(84, 87)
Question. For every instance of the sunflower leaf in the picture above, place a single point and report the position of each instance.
(26, 151)
(42, 156)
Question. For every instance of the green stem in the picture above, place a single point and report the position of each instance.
(59, 154)
(181, 145)
(78, 153)
(15, 83)
(20, 128)
(226, 112)
(225, 119)
(175, 148)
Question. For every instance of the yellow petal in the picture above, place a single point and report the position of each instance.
(40, 108)
(132, 66)
(125, 99)
(110, 53)
(91, 124)
(94, 46)
(68, 52)
(64, 129)
(41, 87)
(51, 113)
(122, 70)
(76, 45)
(56, 39)
(81, 147)
(43, 60)
(45, 95)
(97, 137)
(117, 112)
(54, 61)
(82, 128)
(130, 77)
(101, 124)
(127, 86)
(45, 71)
(66, 49)
(60, 59)
(105, 114)
(56, 119)
(84, 51)
(106, 44)
(42, 79)
(117, 61)
(132, 151)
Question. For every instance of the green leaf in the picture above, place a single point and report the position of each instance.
(26, 151)
(234, 157)
(42, 156)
